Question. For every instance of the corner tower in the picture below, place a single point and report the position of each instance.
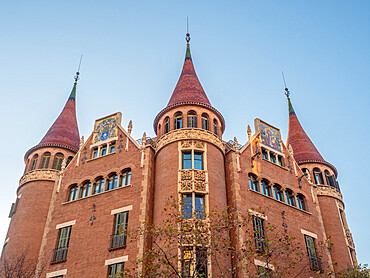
(324, 176)
(34, 194)
(189, 159)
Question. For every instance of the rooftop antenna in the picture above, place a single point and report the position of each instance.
(78, 71)
(287, 93)
(187, 30)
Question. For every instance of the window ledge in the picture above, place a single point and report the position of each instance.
(97, 194)
(272, 198)
(95, 158)
(264, 159)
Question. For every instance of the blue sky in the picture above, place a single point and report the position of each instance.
(133, 54)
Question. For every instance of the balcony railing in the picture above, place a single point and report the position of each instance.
(117, 241)
(315, 263)
(59, 255)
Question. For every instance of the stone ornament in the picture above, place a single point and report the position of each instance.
(186, 185)
(329, 191)
(200, 186)
(186, 175)
(186, 144)
(186, 134)
(199, 175)
(39, 174)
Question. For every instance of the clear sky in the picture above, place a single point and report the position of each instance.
(133, 54)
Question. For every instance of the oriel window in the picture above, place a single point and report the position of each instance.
(192, 160)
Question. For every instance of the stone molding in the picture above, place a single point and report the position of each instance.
(349, 238)
(187, 134)
(323, 190)
(39, 174)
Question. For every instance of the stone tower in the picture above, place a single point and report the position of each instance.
(190, 154)
(43, 164)
(324, 176)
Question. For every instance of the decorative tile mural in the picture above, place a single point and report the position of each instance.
(270, 137)
(105, 129)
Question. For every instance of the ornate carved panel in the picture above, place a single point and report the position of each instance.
(188, 134)
(186, 175)
(186, 144)
(200, 186)
(39, 174)
(329, 191)
(199, 175)
(186, 185)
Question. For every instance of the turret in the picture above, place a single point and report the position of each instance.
(189, 159)
(43, 164)
(324, 176)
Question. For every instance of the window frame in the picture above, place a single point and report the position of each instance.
(86, 187)
(45, 160)
(112, 182)
(192, 119)
(34, 162)
(125, 178)
(57, 162)
(73, 193)
(178, 121)
(259, 233)
(253, 185)
(290, 198)
(192, 156)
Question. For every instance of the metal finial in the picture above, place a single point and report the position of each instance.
(187, 30)
(287, 93)
(77, 76)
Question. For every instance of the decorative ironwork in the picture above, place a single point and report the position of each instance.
(92, 218)
(256, 154)
(290, 166)
(120, 143)
(59, 255)
(117, 241)
(284, 224)
(299, 180)
(84, 158)
(231, 142)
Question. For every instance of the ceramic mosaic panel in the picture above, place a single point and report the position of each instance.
(270, 137)
(105, 129)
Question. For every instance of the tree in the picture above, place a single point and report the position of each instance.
(20, 266)
(360, 271)
(183, 247)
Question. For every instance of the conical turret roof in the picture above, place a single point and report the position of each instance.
(64, 131)
(188, 89)
(303, 148)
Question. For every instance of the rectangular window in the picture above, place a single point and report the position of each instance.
(201, 262)
(85, 190)
(314, 261)
(186, 160)
(60, 253)
(272, 158)
(187, 206)
(187, 262)
(266, 189)
(259, 235)
(280, 160)
(279, 195)
(99, 186)
(112, 148)
(290, 198)
(199, 207)
(116, 270)
(118, 239)
(198, 161)
(265, 154)
(103, 150)
(95, 153)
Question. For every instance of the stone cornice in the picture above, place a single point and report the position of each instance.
(324, 190)
(39, 174)
(191, 133)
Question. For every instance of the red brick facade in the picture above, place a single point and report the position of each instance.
(141, 178)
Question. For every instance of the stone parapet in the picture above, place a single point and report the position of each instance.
(324, 190)
(39, 174)
(186, 134)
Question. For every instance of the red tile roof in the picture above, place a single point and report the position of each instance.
(188, 88)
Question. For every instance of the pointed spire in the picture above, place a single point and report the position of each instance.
(64, 131)
(188, 88)
(298, 140)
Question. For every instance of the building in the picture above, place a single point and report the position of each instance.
(77, 198)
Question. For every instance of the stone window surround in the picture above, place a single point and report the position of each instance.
(257, 214)
(276, 153)
(65, 224)
(56, 273)
(99, 145)
(116, 260)
(305, 232)
(119, 210)
(263, 264)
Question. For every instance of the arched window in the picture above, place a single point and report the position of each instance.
(178, 120)
(112, 181)
(290, 197)
(72, 195)
(125, 178)
(329, 178)
(45, 160)
(300, 202)
(318, 176)
(192, 119)
(98, 185)
(85, 189)
(57, 163)
(69, 160)
(253, 183)
(266, 188)
(215, 126)
(166, 125)
(278, 192)
(34, 162)
(205, 122)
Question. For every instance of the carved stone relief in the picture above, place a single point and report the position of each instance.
(329, 191)
(39, 174)
(199, 175)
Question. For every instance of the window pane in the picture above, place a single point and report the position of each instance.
(112, 148)
(187, 205)
(199, 207)
(198, 161)
(265, 154)
(187, 263)
(186, 160)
